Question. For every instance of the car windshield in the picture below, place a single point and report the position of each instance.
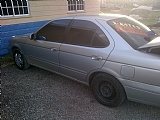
(133, 32)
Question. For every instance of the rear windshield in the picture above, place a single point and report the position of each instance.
(132, 31)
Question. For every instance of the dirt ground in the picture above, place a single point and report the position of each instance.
(36, 94)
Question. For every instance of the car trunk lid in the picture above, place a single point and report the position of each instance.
(154, 43)
(152, 46)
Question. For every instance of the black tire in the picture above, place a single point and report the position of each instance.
(108, 90)
(19, 60)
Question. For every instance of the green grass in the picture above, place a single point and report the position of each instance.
(6, 60)
(148, 22)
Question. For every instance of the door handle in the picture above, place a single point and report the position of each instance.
(53, 49)
(97, 58)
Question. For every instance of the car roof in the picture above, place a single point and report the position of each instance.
(100, 16)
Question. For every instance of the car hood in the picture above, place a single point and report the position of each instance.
(155, 43)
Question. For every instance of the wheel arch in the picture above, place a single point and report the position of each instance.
(108, 90)
(15, 47)
(108, 72)
(23, 64)
(105, 71)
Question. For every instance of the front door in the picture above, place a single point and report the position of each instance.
(44, 50)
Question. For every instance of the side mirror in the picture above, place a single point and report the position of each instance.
(32, 37)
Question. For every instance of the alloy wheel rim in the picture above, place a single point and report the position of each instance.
(18, 59)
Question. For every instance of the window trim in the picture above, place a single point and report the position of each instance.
(13, 9)
(76, 4)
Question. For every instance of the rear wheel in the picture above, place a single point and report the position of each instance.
(20, 60)
(108, 90)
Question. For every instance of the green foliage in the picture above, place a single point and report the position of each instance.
(6, 60)
(147, 14)
(148, 21)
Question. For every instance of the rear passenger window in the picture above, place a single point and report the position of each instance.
(86, 33)
(79, 36)
(100, 40)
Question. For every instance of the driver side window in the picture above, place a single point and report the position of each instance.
(53, 31)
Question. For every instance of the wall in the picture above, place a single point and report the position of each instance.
(40, 13)
(7, 31)
(47, 10)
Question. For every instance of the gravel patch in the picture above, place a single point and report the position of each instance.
(36, 94)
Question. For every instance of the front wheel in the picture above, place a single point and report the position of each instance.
(20, 60)
(108, 90)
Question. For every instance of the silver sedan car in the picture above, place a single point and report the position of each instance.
(116, 55)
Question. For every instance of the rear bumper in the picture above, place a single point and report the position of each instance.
(143, 93)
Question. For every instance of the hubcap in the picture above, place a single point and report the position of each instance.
(107, 90)
(18, 59)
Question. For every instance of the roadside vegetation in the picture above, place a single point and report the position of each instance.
(146, 17)
(6, 60)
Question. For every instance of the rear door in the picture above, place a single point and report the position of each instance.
(85, 48)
